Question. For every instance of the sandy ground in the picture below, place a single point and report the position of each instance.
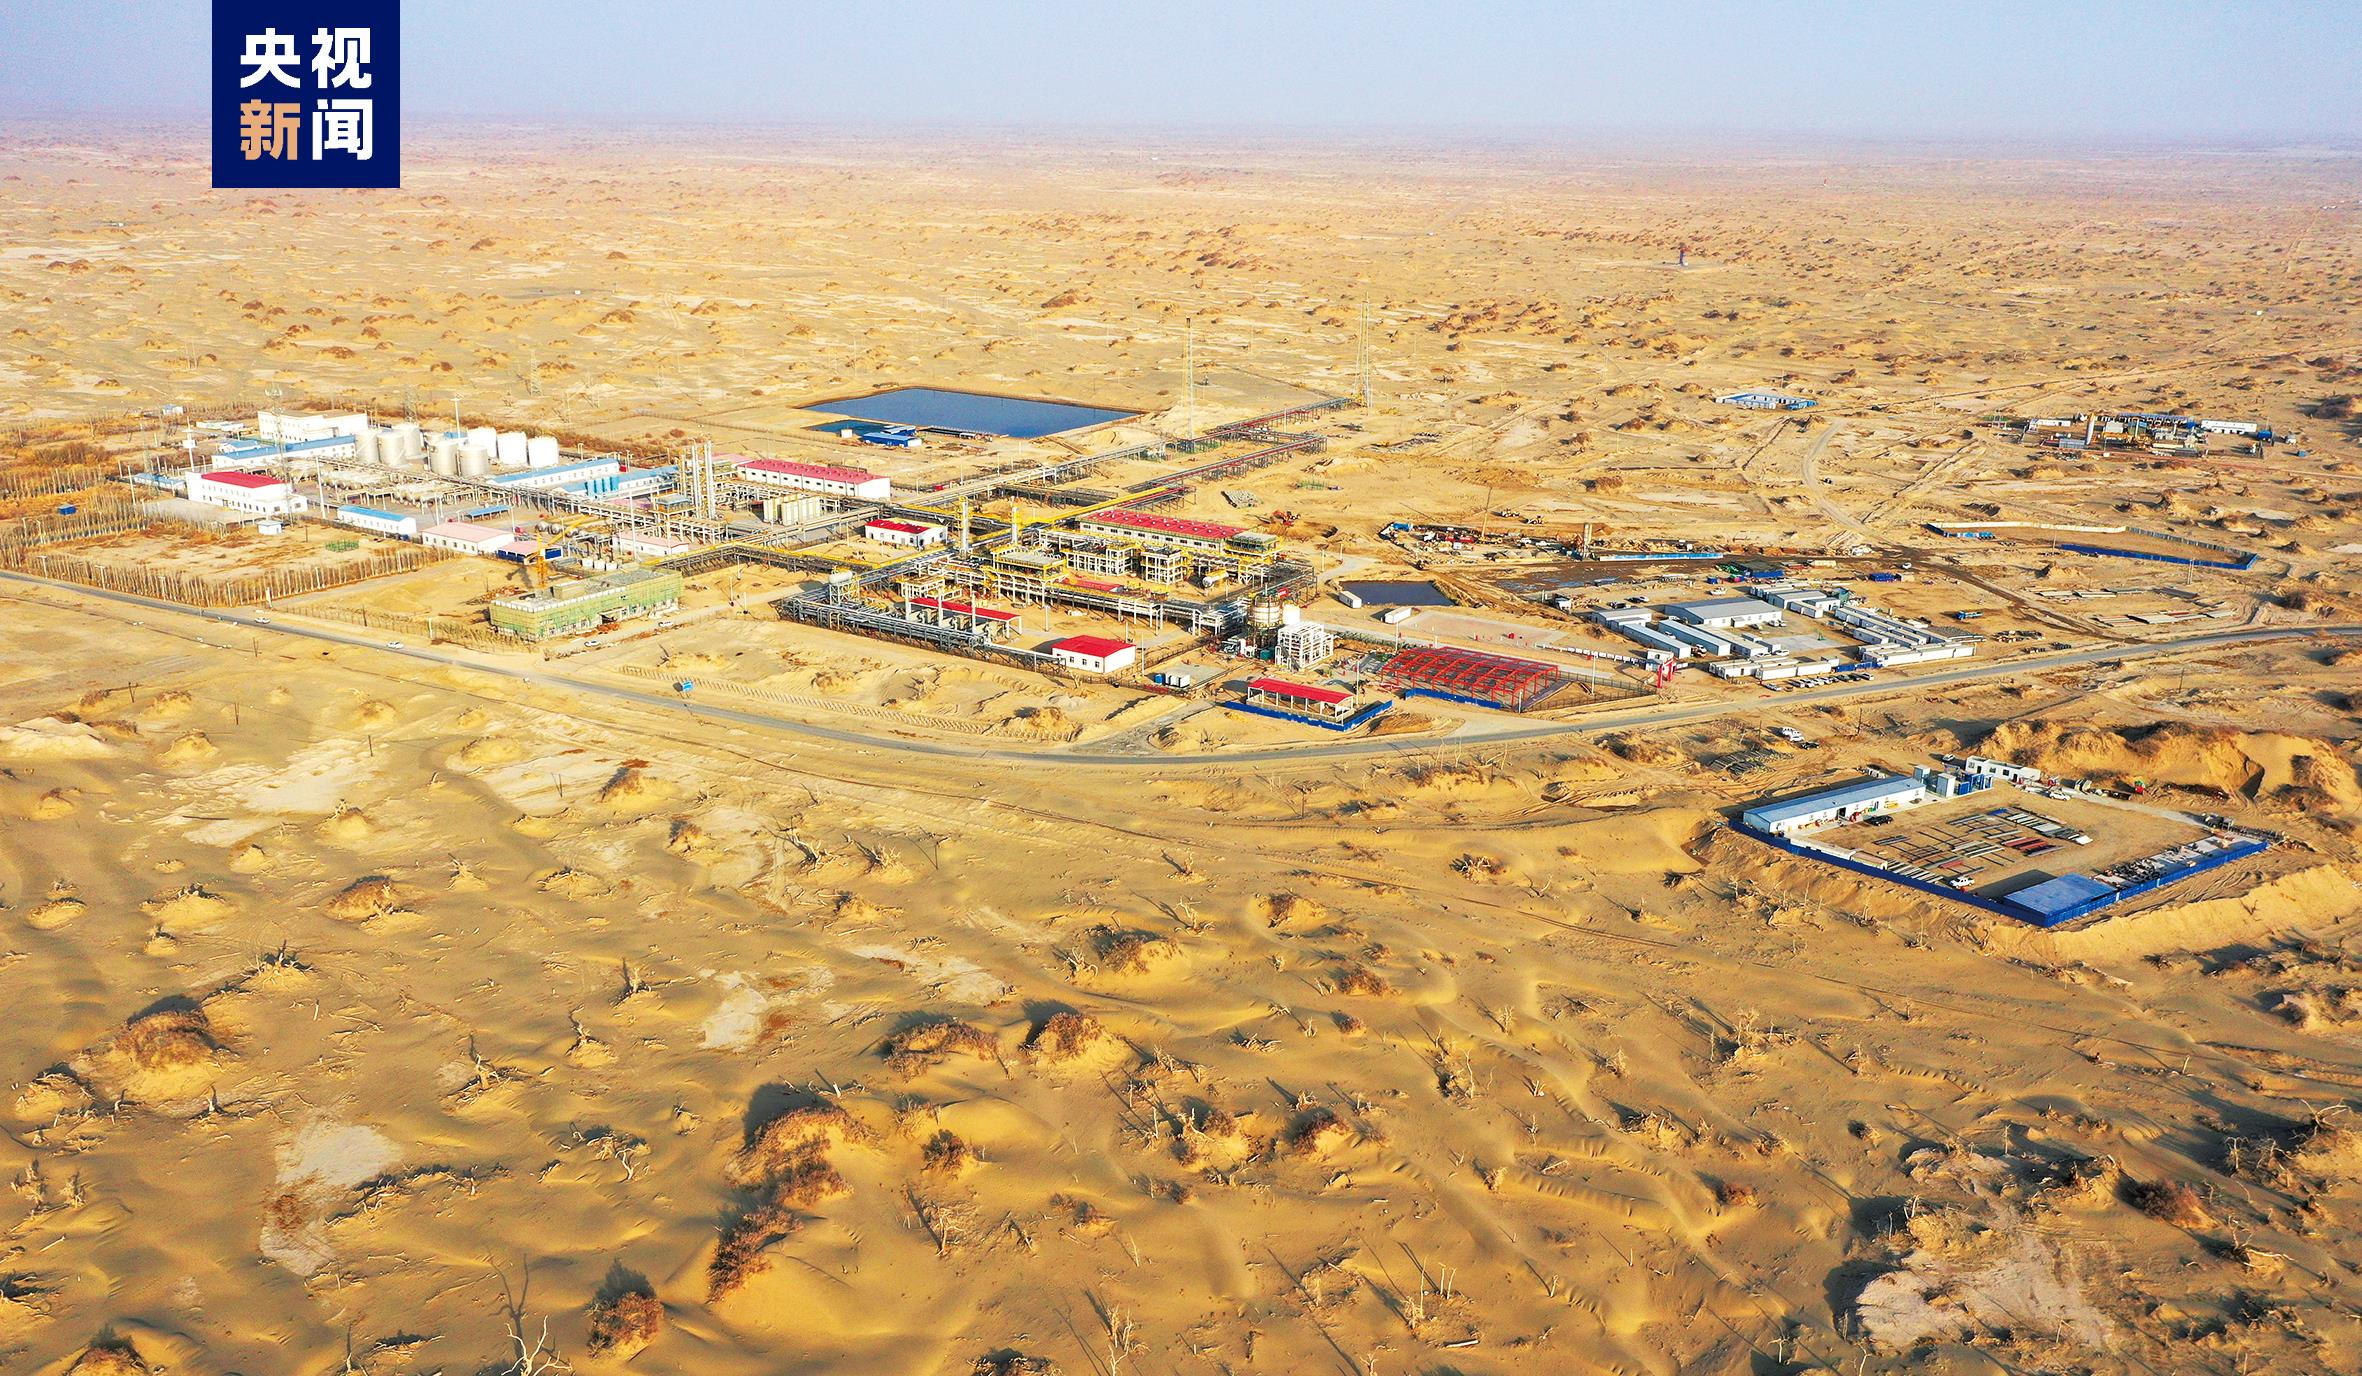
(370, 1014)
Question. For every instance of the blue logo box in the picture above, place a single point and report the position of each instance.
(307, 93)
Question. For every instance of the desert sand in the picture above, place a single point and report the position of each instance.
(385, 1015)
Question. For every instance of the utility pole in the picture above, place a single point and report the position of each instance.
(1364, 361)
(1189, 381)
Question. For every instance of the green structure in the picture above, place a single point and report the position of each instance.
(585, 604)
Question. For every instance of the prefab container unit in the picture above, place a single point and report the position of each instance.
(1095, 654)
(909, 534)
(582, 604)
(383, 522)
(537, 479)
(287, 427)
(465, 537)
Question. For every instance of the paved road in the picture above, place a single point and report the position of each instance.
(1294, 754)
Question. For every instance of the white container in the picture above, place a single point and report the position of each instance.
(509, 452)
(365, 447)
(485, 436)
(475, 460)
(409, 442)
(445, 459)
(542, 452)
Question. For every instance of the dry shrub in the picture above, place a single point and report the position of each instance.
(741, 1257)
(1280, 909)
(779, 1146)
(169, 1038)
(1131, 952)
(624, 1323)
(1013, 1364)
(1362, 980)
(364, 900)
(1065, 1036)
(1733, 1195)
(1318, 1133)
(931, 1043)
(110, 1357)
(2169, 1201)
(947, 1154)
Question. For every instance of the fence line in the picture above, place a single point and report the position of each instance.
(964, 725)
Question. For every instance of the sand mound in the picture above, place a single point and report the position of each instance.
(52, 1095)
(1956, 1280)
(931, 1043)
(489, 750)
(193, 748)
(365, 900)
(2292, 902)
(56, 803)
(1124, 952)
(1289, 909)
(169, 705)
(189, 907)
(54, 738)
(573, 883)
(630, 789)
(249, 858)
(59, 909)
(1070, 1040)
(2288, 772)
(687, 838)
(373, 715)
(780, 1144)
(110, 1357)
(347, 824)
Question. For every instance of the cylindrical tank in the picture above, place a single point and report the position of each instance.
(542, 451)
(1263, 613)
(1290, 614)
(409, 442)
(365, 446)
(484, 435)
(510, 451)
(475, 461)
(445, 460)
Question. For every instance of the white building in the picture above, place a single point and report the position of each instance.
(1726, 613)
(909, 534)
(1095, 654)
(466, 537)
(537, 479)
(287, 428)
(257, 494)
(1878, 793)
(636, 544)
(827, 478)
(382, 522)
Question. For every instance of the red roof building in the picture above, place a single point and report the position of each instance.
(1095, 654)
(1298, 692)
(1148, 524)
(942, 604)
(253, 482)
(817, 477)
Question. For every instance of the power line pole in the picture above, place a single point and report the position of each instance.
(1364, 361)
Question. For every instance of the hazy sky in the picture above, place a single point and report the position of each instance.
(1909, 69)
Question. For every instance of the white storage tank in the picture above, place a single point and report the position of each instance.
(1263, 614)
(511, 449)
(542, 452)
(485, 436)
(409, 442)
(365, 447)
(475, 461)
(445, 460)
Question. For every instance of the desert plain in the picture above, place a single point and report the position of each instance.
(445, 1007)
